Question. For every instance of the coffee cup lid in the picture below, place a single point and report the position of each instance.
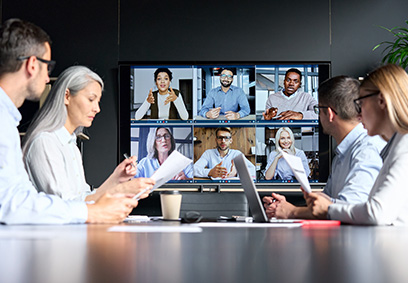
(170, 192)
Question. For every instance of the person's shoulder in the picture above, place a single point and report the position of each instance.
(209, 151)
(44, 139)
(299, 152)
(371, 142)
(144, 160)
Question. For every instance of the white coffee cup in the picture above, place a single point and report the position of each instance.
(170, 204)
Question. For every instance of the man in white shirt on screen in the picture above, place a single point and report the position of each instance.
(218, 162)
(357, 161)
(25, 64)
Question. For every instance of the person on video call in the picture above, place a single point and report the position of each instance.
(226, 99)
(51, 156)
(160, 144)
(357, 161)
(25, 56)
(218, 162)
(164, 103)
(277, 167)
(291, 103)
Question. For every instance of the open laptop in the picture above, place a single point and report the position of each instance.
(254, 201)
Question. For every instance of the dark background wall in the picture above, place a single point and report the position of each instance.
(99, 34)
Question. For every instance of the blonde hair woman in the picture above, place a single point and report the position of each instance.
(278, 168)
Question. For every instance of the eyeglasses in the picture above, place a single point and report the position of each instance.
(357, 101)
(317, 108)
(225, 76)
(220, 138)
(50, 63)
(165, 136)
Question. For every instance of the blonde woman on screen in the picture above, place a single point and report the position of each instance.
(277, 167)
(383, 108)
(51, 157)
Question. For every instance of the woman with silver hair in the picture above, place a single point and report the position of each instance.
(278, 168)
(160, 144)
(51, 157)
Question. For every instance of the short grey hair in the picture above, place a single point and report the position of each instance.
(53, 114)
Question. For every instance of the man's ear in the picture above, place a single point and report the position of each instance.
(31, 65)
(331, 114)
(67, 97)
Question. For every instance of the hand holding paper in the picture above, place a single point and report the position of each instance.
(295, 163)
(173, 165)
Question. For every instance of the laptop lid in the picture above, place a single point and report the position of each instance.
(254, 201)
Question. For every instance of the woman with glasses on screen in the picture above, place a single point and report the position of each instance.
(277, 168)
(164, 103)
(383, 108)
(51, 157)
(160, 144)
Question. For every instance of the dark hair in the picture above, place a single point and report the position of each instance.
(293, 70)
(339, 93)
(232, 70)
(163, 70)
(20, 38)
(222, 129)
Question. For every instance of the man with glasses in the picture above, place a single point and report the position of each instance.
(357, 161)
(218, 162)
(226, 99)
(291, 103)
(25, 63)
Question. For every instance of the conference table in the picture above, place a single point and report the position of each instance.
(192, 253)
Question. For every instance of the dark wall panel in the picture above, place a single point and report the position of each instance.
(83, 33)
(355, 32)
(232, 30)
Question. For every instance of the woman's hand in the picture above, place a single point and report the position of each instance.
(181, 176)
(125, 170)
(172, 96)
(150, 97)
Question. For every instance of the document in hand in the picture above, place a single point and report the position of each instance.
(170, 168)
(295, 163)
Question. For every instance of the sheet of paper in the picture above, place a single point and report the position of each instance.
(156, 229)
(171, 167)
(248, 225)
(295, 163)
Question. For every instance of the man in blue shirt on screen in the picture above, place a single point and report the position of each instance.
(25, 64)
(226, 99)
(218, 162)
(357, 161)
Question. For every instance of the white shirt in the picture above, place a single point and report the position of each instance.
(54, 165)
(20, 203)
(387, 203)
(164, 109)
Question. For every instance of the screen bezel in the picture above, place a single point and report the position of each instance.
(124, 76)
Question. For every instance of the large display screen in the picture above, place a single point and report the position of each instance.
(213, 112)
